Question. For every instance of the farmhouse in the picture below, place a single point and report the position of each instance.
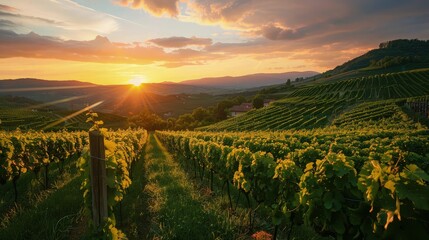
(240, 109)
(267, 102)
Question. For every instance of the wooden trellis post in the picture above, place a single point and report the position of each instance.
(98, 177)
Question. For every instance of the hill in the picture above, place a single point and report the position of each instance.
(401, 52)
(391, 56)
(248, 81)
(381, 96)
(320, 105)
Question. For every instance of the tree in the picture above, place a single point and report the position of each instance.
(185, 121)
(171, 123)
(288, 83)
(147, 120)
(221, 110)
(258, 101)
(239, 100)
(200, 114)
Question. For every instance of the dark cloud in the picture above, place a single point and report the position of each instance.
(278, 33)
(6, 24)
(180, 42)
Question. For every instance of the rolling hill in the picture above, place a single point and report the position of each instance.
(391, 56)
(390, 96)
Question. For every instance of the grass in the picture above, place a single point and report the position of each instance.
(43, 214)
(174, 209)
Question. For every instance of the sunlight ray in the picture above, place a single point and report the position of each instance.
(56, 102)
(72, 115)
(44, 88)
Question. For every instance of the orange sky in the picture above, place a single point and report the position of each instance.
(101, 73)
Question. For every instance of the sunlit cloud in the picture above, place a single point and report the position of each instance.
(155, 7)
(5, 8)
(99, 50)
(60, 14)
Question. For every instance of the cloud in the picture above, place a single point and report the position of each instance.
(6, 24)
(5, 8)
(60, 14)
(180, 42)
(318, 32)
(15, 16)
(291, 20)
(99, 50)
(279, 33)
(155, 7)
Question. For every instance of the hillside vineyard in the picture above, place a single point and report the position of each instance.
(320, 105)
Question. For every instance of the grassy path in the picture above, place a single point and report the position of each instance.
(167, 205)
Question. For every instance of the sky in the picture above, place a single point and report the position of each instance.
(118, 41)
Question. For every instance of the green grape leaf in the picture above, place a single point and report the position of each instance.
(413, 172)
(417, 193)
(338, 226)
(328, 200)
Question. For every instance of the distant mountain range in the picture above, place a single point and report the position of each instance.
(215, 85)
(248, 81)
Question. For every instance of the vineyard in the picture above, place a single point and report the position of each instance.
(365, 184)
(340, 160)
(313, 106)
(25, 114)
(36, 157)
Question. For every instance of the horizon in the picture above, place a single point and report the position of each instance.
(130, 41)
(184, 81)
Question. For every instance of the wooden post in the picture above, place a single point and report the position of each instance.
(98, 177)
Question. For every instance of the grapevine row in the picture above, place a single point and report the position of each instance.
(354, 185)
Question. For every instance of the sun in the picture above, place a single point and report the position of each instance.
(137, 81)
